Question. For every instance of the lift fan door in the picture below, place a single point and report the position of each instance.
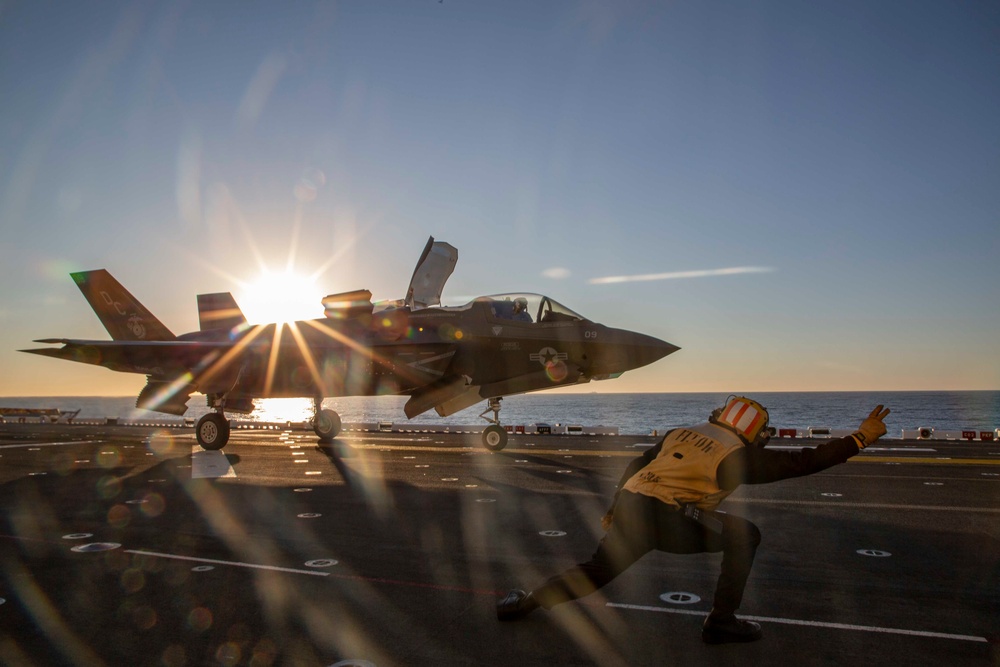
(433, 270)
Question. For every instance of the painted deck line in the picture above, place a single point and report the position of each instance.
(632, 454)
(875, 506)
(231, 563)
(924, 460)
(814, 624)
(52, 444)
(900, 449)
(927, 450)
(209, 464)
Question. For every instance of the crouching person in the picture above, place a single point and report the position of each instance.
(667, 499)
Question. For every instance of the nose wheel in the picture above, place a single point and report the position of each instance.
(494, 435)
(326, 423)
(326, 426)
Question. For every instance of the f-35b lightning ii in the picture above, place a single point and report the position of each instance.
(445, 358)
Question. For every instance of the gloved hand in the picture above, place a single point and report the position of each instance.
(606, 519)
(871, 428)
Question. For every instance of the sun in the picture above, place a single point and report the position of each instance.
(281, 297)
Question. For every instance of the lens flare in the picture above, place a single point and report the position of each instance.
(132, 580)
(109, 458)
(154, 505)
(109, 486)
(161, 444)
(144, 618)
(119, 516)
(200, 619)
(556, 370)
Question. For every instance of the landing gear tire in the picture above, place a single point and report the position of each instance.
(326, 426)
(212, 431)
(494, 437)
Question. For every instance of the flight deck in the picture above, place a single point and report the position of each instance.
(132, 545)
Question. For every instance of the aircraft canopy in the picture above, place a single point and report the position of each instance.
(537, 308)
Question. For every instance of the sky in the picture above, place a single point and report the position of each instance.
(802, 196)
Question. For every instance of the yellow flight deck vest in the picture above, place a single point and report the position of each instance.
(684, 472)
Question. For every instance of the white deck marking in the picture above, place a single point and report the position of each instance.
(900, 449)
(209, 465)
(881, 506)
(52, 444)
(815, 624)
(227, 562)
(867, 449)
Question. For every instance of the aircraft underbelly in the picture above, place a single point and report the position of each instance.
(342, 371)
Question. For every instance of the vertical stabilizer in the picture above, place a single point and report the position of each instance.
(220, 311)
(120, 312)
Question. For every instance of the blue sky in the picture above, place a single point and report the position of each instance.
(848, 153)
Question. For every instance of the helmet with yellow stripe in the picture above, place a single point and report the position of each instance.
(746, 418)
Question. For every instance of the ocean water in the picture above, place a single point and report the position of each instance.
(631, 413)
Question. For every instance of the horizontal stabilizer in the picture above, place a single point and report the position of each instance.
(81, 353)
(148, 357)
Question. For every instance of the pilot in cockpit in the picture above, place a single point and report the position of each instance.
(521, 310)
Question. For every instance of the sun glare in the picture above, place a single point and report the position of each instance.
(281, 297)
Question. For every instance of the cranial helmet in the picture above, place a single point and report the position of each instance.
(746, 418)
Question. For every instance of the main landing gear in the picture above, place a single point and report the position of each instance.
(494, 435)
(212, 431)
(326, 423)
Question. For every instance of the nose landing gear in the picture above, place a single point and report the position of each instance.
(326, 423)
(494, 435)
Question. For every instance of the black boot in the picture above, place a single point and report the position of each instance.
(728, 628)
(517, 604)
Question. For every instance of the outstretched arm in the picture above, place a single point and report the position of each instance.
(752, 465)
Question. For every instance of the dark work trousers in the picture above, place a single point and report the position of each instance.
(642, 524)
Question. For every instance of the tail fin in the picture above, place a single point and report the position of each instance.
(220, 311)
(120, 312)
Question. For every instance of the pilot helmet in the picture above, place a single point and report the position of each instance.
(746, 418)
(520, 303)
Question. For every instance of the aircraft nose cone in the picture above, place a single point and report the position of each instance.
(622, 350)
(645, 349)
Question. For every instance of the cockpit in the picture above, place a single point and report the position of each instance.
(527, 307)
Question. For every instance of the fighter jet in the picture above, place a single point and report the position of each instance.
(445, 358)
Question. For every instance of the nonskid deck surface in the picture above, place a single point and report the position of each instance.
(126, 545)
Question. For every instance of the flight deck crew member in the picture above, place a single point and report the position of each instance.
(667, 499)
